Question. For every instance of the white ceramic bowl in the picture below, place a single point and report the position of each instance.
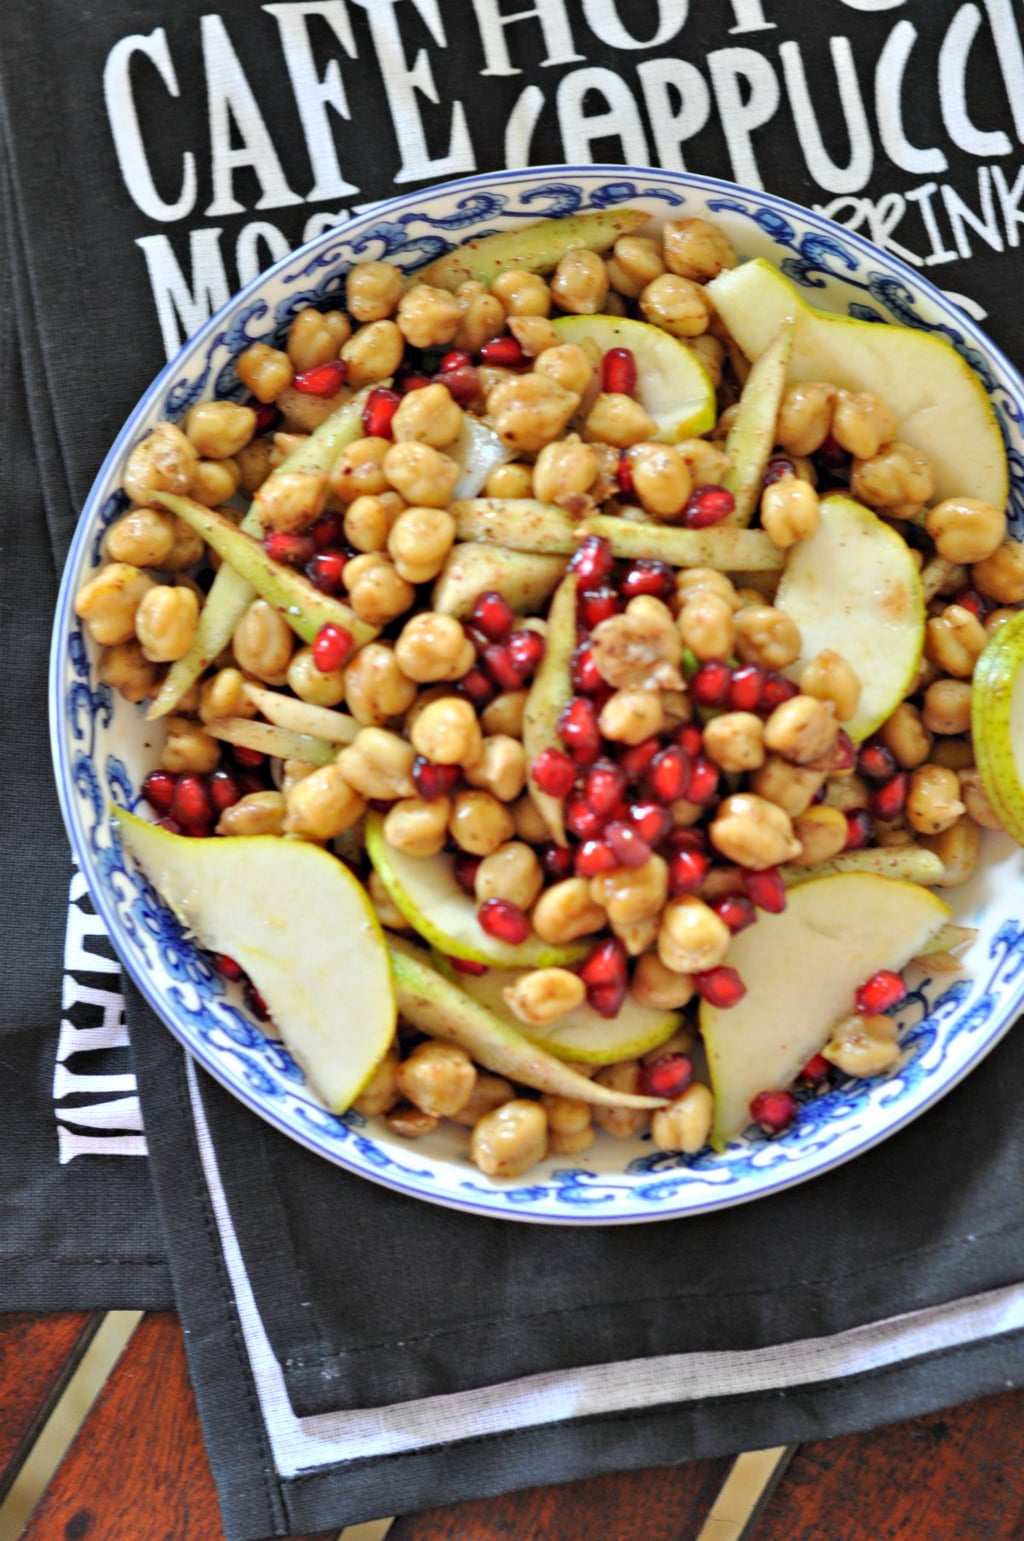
(103, 748)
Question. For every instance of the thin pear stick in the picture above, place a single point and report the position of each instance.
(549, 693)
(751, 438)
(722, 546)
(302, 716)
(518, 524)
(538, 248)
(281, 743)
(911, 863)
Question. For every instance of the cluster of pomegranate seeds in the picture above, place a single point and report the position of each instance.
(707, 506)
(504, 920)
(668, 1076)
(774, 1111)
(606, 977)
(323, 379)
(381, 406)
(619, 372)
(331, 646)
(433, 781)
(765, 889)
(881, 992)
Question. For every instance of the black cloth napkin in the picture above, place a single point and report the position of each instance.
(355, 1352)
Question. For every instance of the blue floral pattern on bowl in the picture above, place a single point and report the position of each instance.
(103, 749)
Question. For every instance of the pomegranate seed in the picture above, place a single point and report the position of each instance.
(776, 468)
(704, 779)
(158, 790)
(331, 646)
(859, 829)
(774, 1111)
(597, 605)
(970, 599)
(493, 615)
(455, 358)
(606, 1000)
(624, 475)
(710, 684)
(875, 762)
(467, 966)
(628, 846)
(526, 649)
(464, 870)
(668, 775)
(605, 964)
(228, 967)
(651, 821)
(604, 786)
(687, 870)
(775, 690)
(706, 506)
(557, 861)
(882, 991)
(584, 671)
(290, 550)
(224, 790)
(433, 781)
(765, 889)
(328, 531)
(647, 576)
(816, 1071)
(326, 571)
(888, 800)
(690, 738)
(746, 686)
(410, 380)
(191, 804)
(503, 353)
(501, 666)
(737, 912)
(721, 987)
(619, 372)
(323, 379)
(594, 857)
(832, 455)
(255, 1002)
(267, 416)
(688, 838)
(668, 1076)
(381, 406)
(592, 561)
(249, 782)
(462, 385)
(637, 758)
(502, 919)
(553, 772)
(579, 732)
(477, 687)
(582, 820)
(841, 757)
(251, 759)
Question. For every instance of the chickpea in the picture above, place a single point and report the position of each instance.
(534, 334)
(822, 833)
(479, 823)
(706, 625)
(570, 1124)
(380, 1094)
(805, 416)
(802, 729)
(580, 282)
(447, 732)
(511, 871)
(378, 764)
(791, 787)
(219, 429)
(322, 805)
(569, 366)
(291, 500)
(662, 988)
(956, 753)
(225, 694)
(522, 293)
(510, 1139)
(108, 603)
(767, 636)
(368, 520)
(373, 352)
(735, 741)
(847, 793)
(255, 463)
(863, 1046)
(142, 537)
(862, 424)
(976, 800)
(373, 290)
(257, 813)
(377, 592)
(428, 317)
(531, 826)
(997, 618)
(631, 894)
(438, 1078)
(898, 476)
(637, 936)
(966, 529)
(686, 1123)
(188, 747)
(265, 371)
(504, 715)
(618, 420)
(215, 481)
(661, 479)
(164, 461)
(905, 736)
(375, 686)
(790, 511)
(676, 304)
(302, 414)
(696, 249)
(545, 995)
(410, 1123)
(316, 337)
(635, 262)
(501, 768)
(422, 474)
(933, 799)
(529, 411)
(691, 581)
(166, 621)
(416, 827)
(565, 911)
(359, 470)
(126, 669)
(428, 416)
(828, 677)
(489, 1092)
(957, 848)
(1001, 575)
(512, 480)
(620, 1123)
(955, 640)
(753, 832)
(263, 643)
(481, 317)
(629, 716)
(708, 463)
(691, 937)
(389, 915)
(563, 471)
(947, 706)
(420, 541)
(310, 683)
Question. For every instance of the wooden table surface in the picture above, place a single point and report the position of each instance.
(137, 1470)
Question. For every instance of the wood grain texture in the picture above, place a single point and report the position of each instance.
(37, 1355)
(948, 1477)
(664, 1503)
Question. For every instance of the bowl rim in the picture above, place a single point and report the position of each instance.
(782, 1177)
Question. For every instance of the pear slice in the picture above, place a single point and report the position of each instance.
(519, 524)
(477, 451)
(997, 723)
(303, 929)
(524, 578)
(549, 694)
(538, 248)
(940, 404)
(270, 738)
(581, 1036)
(424, 889)
(751, 438)
(853, 587)
(802, 969)
(673, 386)
(722, 546)
(443, 1010)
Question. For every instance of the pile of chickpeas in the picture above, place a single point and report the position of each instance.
(792, 795)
